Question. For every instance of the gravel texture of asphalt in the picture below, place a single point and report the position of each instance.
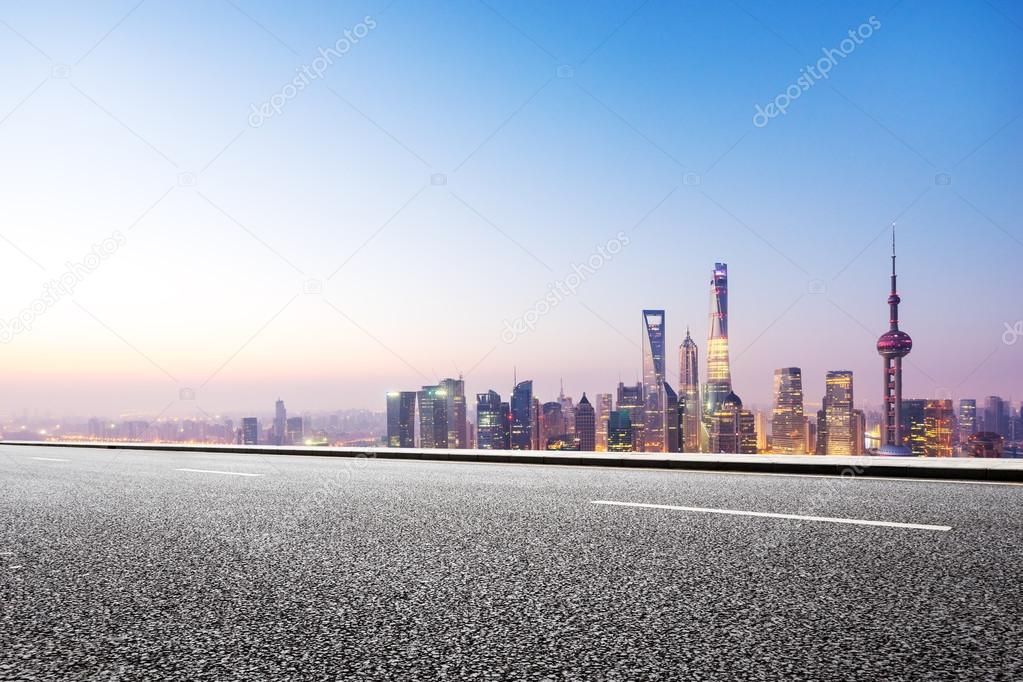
(126, 565)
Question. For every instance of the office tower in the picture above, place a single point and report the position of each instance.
(820, 446)
(586, 425)
(859, 432)
(811, 435)
(491, 422)
(747, 433)
(250, 431)
(653, 381)
(689, 395)
(913, 426)
(567, 410)
(471, 431)
(761, 426)
(732, 429)
(433, 417)
(630, 400)
(294, 431)
(454, 396)
(522, 412)
(672, 418)
(967, 419)
(506, 421)
(996, 416)
(401, 419)
(280, 423)
(535, 417)
(603, 410)
(719, 375)
(788, 435)
(838, 413)
(552, 423)
(938, 426)
(893, 345)
(619, 432)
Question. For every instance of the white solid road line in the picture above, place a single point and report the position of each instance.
(212, 471)
(50, 459)
(794, 517)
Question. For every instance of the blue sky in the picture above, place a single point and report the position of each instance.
(555, 127)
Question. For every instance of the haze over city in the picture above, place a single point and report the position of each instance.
(382, 225)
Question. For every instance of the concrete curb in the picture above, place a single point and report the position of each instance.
(1000, 470)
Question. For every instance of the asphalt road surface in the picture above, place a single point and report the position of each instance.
(123, 565)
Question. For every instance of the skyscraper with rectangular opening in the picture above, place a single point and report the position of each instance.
(654, 434)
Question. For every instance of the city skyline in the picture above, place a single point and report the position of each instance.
(242, 261)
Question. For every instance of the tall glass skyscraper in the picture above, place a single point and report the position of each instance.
(522, 416)
(967, 419)
(401, 415)
(630, 401)
(689, 395)
(433, 417)
(719, 374)
(654, 422)
(491, 423)
(454, 405)
(788, 425)
(603, 409)
(838, 414)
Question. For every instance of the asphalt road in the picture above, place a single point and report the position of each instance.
(122, 565)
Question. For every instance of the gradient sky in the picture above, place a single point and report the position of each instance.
(207, 291)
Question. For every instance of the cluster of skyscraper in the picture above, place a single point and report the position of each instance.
(652, 416)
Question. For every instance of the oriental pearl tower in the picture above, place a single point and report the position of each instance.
(893, 345)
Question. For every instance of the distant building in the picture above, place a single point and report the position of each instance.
(654, 434)
(454, 407)
(280, 427)
(996, 416)
(603, 415)
(939, 421)
(294, 431)
(630, 401)
(586, 425)
(522, 416)
(672, 419)
(967, 419)
(433, 417)
(719, 376)
(859, 432)
(838, 413)
(732, 429)
(250, 431)
(491, 422)
(401, 419)
(552, 422)
(914, 426)
(689, 405)
(619, 432)
(788, 435)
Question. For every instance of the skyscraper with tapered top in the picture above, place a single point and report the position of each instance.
(654, 433)
(893, 345)
(689, 395)
(719, 374)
